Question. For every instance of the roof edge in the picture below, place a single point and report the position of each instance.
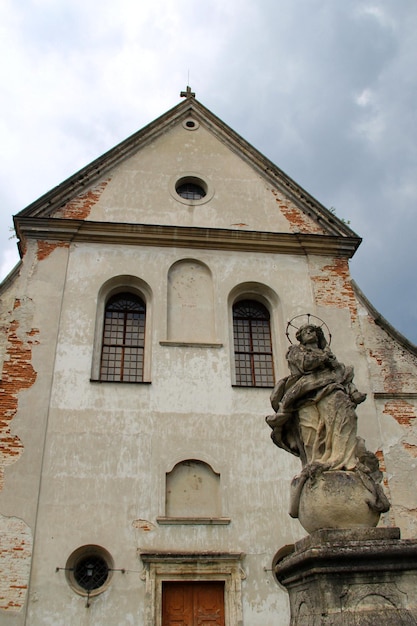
(88, 175)
(381, 321)
(11, 276)
(277, 176)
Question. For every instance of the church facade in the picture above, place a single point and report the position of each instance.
(142, 333)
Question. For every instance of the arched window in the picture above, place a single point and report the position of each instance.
(252, 344)
(122, 353)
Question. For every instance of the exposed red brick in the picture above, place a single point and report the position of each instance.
(380, 455)
(382, 466)
(15, 558)
(396, 371)
(298, 220)
(80, 207)
(18, 374)
(403, 412)
(46, 247)
(412, 449)
(378, 357)
(333, 287)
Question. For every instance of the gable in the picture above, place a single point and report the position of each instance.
(142, 189)
(135, 184)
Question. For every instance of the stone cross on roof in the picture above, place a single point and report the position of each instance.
(188, 93)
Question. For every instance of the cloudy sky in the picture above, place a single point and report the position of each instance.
(327, 89)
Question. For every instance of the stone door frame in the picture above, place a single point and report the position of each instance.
(162, 567)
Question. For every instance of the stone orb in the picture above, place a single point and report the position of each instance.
(336, 499)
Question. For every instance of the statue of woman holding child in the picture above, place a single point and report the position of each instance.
(315, 418)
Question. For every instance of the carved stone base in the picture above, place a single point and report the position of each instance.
(336, 499)
(350, 577)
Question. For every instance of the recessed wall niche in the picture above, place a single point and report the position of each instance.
(192, 490)
(190, 302)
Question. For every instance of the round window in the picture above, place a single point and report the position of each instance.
(89, 570)
(190, 191)
(190, 124)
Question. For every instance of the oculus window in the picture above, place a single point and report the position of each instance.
(89, 569)
(191, 190)
(252, 344)
(122, 354)
(91, 572)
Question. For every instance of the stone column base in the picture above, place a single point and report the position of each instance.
(350, 577)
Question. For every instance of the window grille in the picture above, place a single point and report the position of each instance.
(191, 191)
(122, 355)
(252, 344)
(91, 572)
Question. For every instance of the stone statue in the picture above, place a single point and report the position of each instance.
(315, 419)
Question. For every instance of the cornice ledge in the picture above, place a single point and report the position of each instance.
(189, 557)
(56, 229)
(395, 395)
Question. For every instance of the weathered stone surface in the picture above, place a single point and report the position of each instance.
(315, 419)
(351, 577)
(336, 500)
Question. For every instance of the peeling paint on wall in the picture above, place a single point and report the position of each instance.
(18, 374)
(388, 519)
(143, 524)
(333, 287)
(298, 220)
(45, 248)
(15, 557)
(411, 448)
(382, 465)
(80, 207)
(397, 371)
(401, 410)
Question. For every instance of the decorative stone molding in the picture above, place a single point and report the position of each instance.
(56, 229)
(348, 577)
(161, 567)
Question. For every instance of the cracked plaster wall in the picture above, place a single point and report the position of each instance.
(393, 372)
(28, 316)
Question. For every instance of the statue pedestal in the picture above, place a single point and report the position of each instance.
(336, 499)
(350, 577)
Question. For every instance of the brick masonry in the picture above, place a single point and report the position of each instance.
(15, 535)
(80, 207)
(333, 287)
(15, 558)
(299, 221)
(18, 374)
(46, 247)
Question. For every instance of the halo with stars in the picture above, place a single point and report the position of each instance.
(306, 318)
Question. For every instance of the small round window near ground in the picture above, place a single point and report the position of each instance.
(89, 570)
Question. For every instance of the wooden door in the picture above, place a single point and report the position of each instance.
(193, 603)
